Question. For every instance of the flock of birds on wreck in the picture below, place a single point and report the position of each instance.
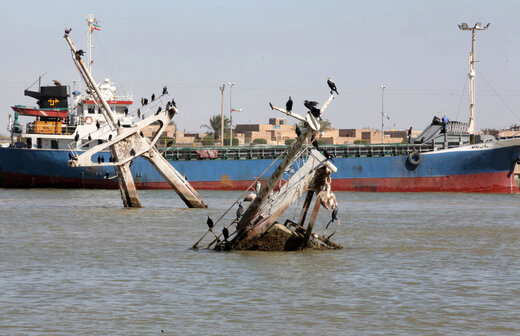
(316, 113)
(312, 106)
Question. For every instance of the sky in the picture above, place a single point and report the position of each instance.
(272, 49)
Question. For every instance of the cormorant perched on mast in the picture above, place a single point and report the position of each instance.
(76, 137)
(316, 144)
(311, 105)
(240, 211)
(164, 90)
(210, 223)
(327, 155)
(298, 131)
(332, 86)
(225, 233)
(289, 104)
(153, 96)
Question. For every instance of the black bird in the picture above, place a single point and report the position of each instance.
(132, 152)
(102, 159)
(70, 156)
(316, 144)
(118, 123)
(109, 137)
(76, 137)
(141, 134)
(332, 86)
(153, 96)
(327, 155)
(288, 105)
(100, 141)
(97, 124)
(89, 137)
(145, 101)
(169, 143)
(210, 223)
(67, 31)
(126, 111)
(240, 210)
(298, 131)
(80, 53)
(173, 102)
(164, 90)
(138, 113)
(311, 105)
(110, 159)
(99, 159)
(107, 175)
(225, 233)
(158, 110)
(335, 213)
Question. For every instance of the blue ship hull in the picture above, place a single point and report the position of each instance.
(477, 168)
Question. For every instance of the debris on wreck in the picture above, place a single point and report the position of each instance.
(302, 170)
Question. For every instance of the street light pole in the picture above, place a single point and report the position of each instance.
(222, 115)
(230, 114)
(383, 113)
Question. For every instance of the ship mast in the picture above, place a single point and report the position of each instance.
(92, 24)
(471, 73)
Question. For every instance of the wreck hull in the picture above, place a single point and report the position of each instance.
(483, 169)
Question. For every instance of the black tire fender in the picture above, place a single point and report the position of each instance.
(414, 158)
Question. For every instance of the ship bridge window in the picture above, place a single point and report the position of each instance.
(91, 110)
(54, 144)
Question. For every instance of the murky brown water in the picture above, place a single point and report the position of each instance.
(73, 262)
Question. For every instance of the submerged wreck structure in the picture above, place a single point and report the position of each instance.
(126, 141)
(303, 169)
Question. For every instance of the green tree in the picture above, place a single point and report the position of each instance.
(214, 126)
(259, 142)
(325, 125)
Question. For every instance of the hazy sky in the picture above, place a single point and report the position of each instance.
(273, 49)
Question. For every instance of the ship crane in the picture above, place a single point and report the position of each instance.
(128, 144)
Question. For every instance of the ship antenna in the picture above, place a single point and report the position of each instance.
(92, 24)
(471, 73)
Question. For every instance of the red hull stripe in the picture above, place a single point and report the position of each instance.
(501, 182)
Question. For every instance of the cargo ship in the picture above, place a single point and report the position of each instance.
(446, 157)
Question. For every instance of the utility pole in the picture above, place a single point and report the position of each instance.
(471, 73)
(230, 114)
(222, 115)
(383, 113)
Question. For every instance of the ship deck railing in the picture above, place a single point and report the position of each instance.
(272, 152)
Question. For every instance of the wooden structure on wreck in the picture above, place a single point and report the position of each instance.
(129, 144)
(303, 170)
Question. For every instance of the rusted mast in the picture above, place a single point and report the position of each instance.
(253, 210)
(126, 181)
(129, 144)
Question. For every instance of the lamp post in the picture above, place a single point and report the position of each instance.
(222, 115)
(230, 114)
(383, 113)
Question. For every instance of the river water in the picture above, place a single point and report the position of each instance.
(74, 262)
